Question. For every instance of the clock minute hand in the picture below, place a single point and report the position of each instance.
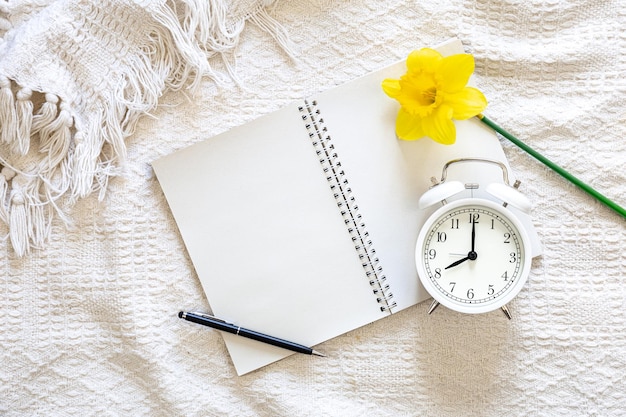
(472, 255)
(473, 235)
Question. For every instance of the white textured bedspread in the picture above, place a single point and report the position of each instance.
(89, 326)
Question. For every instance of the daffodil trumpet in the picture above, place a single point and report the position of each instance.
(565, 174)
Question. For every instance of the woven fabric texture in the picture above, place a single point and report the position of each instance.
(89, 326)
(76, 75)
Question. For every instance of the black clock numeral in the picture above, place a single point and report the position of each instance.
(513, 258)
(441, 237)
(473, 217)
(432, 254)
(507, 238)
(437, 273)
(490, 290)
(452, 285)
(505, 276)
(470, 293)
(455, 223)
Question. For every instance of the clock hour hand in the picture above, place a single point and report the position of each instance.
(460, 261)
(473, 235)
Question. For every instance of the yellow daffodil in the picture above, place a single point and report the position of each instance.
(432, 93)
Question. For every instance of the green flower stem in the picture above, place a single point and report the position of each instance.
(591, 191)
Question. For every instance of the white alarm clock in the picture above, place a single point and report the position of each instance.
(473, 254)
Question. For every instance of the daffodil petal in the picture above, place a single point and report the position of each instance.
(392, 87)
(455, 72)
(466, 103)
(440, 127)
(408, 127)
(424, 58)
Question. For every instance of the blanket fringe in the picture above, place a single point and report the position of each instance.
(270, 25)
(8, 118)
(18, 221)
(58, 154)
(6, 174)
(24, 116)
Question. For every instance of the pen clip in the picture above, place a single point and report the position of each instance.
(208, 316)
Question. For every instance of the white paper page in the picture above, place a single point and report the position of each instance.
(266, 238)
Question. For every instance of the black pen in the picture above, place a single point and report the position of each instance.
(219, 324)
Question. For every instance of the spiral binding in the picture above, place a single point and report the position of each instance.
(346, 202)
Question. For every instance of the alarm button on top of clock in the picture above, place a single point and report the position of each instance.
(510, 195)
(439, 193)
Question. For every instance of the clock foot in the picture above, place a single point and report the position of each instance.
(433, 306)
(506, 312)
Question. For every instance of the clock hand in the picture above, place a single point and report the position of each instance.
(472, 255)
(455, 263)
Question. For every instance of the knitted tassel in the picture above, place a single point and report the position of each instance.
(5, 176)
(24, 116)
(55, 139)
(8, 118)
(18, 221)
(85, 156)
(46, 114)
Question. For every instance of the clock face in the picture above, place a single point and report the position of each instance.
(472, 256)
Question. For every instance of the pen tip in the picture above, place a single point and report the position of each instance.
(316, 353)
(180, 314)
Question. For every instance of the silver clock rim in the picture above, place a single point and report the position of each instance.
(473, 308)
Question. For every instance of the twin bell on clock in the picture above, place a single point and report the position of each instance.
(473, 254)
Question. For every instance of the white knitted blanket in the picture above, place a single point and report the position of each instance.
(74, 78)
(88, 321)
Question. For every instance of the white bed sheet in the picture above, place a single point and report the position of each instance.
(89, 326)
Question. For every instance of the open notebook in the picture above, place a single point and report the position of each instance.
(302, 223)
